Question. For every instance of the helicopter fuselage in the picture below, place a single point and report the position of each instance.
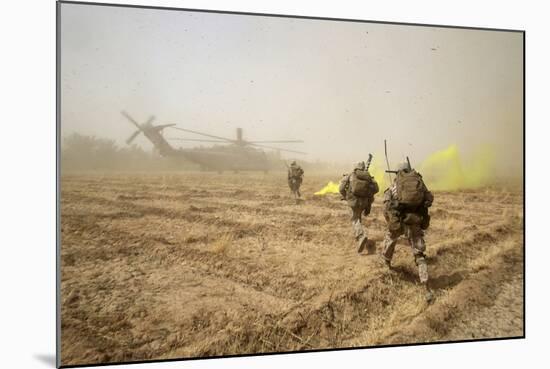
(226, 155)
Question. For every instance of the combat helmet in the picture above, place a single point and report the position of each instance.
(360, 165)
(403, 166)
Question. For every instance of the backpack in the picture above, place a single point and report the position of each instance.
(410, 189)
(361, 184)
(295, 171)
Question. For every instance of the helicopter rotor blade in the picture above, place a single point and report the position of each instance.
(131, 119)
(279, 149)
(195, 140)
(162, 126)
(283, 141)
(203, 134)
(132, 137)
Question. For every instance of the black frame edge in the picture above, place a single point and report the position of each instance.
(58, 183)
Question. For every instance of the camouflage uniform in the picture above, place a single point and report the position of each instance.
(295, 178)
(358, 205)
(410, 223)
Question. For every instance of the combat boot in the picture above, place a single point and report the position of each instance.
(423, 275)
(363, 241)
(423, 271)
(371, 247)
(429, 294)
(384, 261)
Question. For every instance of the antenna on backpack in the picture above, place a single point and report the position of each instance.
(409, 164)
(387, 161)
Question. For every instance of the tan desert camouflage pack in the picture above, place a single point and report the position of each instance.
(410, 189)
(361, 184)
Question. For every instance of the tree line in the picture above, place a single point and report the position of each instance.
(82, 153)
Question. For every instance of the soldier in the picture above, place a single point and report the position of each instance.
(359, 188)
(295, 178)
(406, 204)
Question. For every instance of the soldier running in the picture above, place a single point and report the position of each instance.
(359, 188)
(406, 211)
(295, 178)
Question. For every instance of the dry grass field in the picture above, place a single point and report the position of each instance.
(176, 265)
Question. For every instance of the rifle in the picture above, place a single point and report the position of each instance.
(368, 162)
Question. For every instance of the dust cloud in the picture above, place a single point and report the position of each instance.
(450, 99)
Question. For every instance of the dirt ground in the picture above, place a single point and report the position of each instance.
(174, 265)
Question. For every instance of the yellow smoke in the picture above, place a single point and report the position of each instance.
(444, 170)
(331, 187)
(378, 171)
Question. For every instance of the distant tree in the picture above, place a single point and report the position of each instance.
(79, 152)
(135, 158)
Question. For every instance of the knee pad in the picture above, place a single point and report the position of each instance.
(417, 243)
(420, 259)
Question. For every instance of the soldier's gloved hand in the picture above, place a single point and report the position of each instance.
(427, 204)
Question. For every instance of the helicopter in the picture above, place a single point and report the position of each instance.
(235, 154)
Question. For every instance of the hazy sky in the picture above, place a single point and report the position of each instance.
(342, 87)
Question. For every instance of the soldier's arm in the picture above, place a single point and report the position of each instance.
(389, 199)
(387, 195)
(344, 186)
(428, 197)
(375, 188)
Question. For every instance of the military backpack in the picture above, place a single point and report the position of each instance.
(410, 189)
(296, 171)
(362, 184)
